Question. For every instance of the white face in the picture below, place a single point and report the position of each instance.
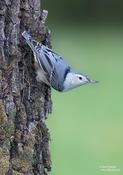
(80, 79)
(73, 80)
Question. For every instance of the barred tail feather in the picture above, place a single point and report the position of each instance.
(26, 35)
(32, 43)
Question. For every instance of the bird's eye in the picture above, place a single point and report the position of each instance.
(80, 78)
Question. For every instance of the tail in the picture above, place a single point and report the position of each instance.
(32, 43)
(26, 35)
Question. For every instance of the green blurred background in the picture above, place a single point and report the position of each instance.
(86, 125)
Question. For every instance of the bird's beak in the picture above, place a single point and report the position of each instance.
(92, 81)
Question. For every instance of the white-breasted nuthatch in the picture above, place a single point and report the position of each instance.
(51, 68)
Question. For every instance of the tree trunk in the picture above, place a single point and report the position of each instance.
(24, 102)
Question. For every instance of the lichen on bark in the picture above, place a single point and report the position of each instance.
(24, 102)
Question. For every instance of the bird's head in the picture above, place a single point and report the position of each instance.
(74, 80)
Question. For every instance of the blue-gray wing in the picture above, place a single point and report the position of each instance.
(55, 67)
(52, 65)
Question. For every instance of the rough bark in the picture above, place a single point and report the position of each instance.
(24, 102)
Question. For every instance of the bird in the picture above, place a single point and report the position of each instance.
(51, 68)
